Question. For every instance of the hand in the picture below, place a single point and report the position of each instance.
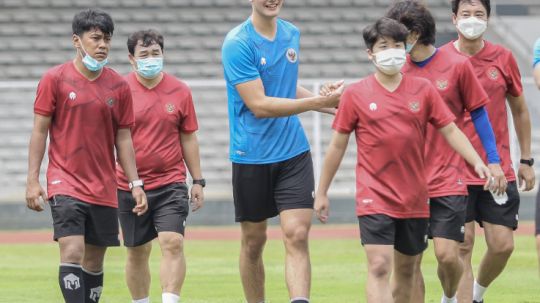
(322, 206)
(197, 197)
(483, 172)
(498, 181)
(526, 177)
(333, 95)
(140, 200)
(33, 193)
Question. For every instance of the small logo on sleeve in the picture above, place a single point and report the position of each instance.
(291, 55)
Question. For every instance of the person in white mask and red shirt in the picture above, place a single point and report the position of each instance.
(389, 113)
(497, 71)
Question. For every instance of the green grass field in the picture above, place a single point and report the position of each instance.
(28, 273)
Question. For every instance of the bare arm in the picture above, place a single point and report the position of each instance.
(36, 150)
(332, 160)
(126, 157)
(262, 106)
(459, 142)
(536, 74)
(522, 124)
(190, 149)
(302, 92)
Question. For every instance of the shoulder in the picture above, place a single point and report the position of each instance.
(450, 56)
(288, 26)
(57, 71)
(237, 36)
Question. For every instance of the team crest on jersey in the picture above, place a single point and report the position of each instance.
(442, 84)
(291, 55)
(493, 73)
(414, 106)
(169, 107)
(111, 102)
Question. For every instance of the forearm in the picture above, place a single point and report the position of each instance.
(190, 149)
(126, 157)
(459, 142)
(281, 107)
(536, 74)
(302, 92)
(485, 133)
(332, 160)
(522, 124)
(36, 150)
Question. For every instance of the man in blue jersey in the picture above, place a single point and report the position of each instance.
(272, 167)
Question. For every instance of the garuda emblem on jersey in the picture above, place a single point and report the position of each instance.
(291, 55)
(493, 73)
(442, 84)
(414, 106)
(169, 107)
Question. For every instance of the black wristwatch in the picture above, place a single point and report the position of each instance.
(201, 182)
(529, 162)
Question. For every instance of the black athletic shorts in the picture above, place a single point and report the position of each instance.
(482, 206)
(72, 217)
(168, 208)
(447, 217)
(262, 191)
(537, 220)
(408, 236)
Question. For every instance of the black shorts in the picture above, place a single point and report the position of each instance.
(537, 219)
(447, 217)
(262, 191)
(72, 217)
(168, 208)
(482, 207)
(408, 236)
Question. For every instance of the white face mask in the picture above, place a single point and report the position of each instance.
(471, 28)
(390, 61)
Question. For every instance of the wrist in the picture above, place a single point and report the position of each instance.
(135, 184)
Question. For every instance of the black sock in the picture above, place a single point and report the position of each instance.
(93, 285)
(71, 282)
(299, 301)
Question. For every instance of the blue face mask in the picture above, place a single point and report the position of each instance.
(92, 64)
(149, 68)
(409, 47)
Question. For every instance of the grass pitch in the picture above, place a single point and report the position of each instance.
(28, 273)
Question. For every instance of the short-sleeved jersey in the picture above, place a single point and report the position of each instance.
(161, 115)
(454, 78)
(390, 129)
(498, 72)
(86, 116)
(536, 53)
(248, 56)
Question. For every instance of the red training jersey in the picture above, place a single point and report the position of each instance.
(454, 78)
(161, 114)
(498, 72)
(86, 116)
(390, 129)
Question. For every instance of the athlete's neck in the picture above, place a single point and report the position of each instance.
(469, 47)
(422, 52)
(88, 74)
(389, 82)
(149, 83)
(266, 27)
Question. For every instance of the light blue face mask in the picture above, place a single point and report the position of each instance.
(149, 68)
(92, 64)
(409, 47)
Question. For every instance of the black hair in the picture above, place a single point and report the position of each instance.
(416, 17)
(148, 37)
(90, 19)
(485, 3)
(384, 27)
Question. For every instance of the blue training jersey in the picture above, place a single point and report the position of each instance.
(246, 56)
(536, 53)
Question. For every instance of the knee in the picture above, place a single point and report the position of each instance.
(252, 245)
(72, 253)
(447, 259)
(172, 245)
(380, 267)
(139, 254)
(503, 249)
(297, 236)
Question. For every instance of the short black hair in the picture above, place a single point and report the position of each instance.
(384, 27)
(485, 3)
(92, 18)
(148, 37)
(416, 17)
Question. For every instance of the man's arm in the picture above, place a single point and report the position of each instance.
(302, 92)
(126, 157)
(36, 150)
(459, 142)
(332, 160)
(522, 124)
(190, 149)
(536, 74)
(262, 106)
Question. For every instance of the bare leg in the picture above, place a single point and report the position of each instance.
(251, 263)
(380, 259)
(138, 271)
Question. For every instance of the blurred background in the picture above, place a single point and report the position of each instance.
(36, 35)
